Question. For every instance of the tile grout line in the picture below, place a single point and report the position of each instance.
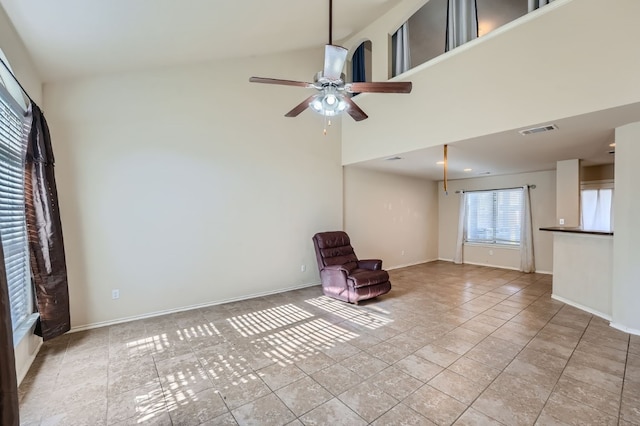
(505, 367)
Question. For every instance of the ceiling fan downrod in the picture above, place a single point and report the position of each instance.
(330, 21)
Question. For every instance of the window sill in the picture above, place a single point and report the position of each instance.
(24, 329)
(493, 246)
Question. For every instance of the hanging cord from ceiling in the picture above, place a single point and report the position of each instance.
(445, 171)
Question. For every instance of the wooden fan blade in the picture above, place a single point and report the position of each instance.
(281, 82)
(354, 110)
(334, 58)
(380, 87)
(300, 107)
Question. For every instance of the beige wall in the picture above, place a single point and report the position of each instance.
(499, 82)
(595, 173)
(568, 193)
(543, 211)
(188, 186)
(626, 255)
(583, 273)
(391, 217)
(19, 58)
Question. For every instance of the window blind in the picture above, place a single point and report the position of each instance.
(13, 139)
(494, 217)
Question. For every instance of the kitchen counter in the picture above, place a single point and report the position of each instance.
(575, 230)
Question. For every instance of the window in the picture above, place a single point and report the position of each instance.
(428, 25)
(494, 217)
(597, 205)
(13, 138)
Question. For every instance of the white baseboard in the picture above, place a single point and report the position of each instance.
(494, 266)
(581, 307)
(624, 328)
(405, 265)
(488, 265)
(187, 308)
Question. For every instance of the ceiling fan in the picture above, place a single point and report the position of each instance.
(333, 95)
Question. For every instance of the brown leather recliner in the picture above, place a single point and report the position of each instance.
(343, 276)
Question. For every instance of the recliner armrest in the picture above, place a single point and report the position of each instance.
(332, 268)
(370, 264)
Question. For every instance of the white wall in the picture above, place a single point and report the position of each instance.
(583, 273)
(568, 193)
(543, 213)
(626, 255)
(188, 186)
(391, 217)
(23, 68)
(19, 58)
(530, 71)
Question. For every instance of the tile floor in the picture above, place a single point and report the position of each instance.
(451, 344)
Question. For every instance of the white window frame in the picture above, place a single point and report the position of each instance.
(12, 206)
(494, 241)
(597, 185)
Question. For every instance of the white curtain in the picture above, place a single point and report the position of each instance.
(597, 209)
(535, 4)
(527, 261)
(461, 228)
(403, 55)
(462, 23)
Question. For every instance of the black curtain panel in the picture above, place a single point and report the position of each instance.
(9, 408)
(46, 245)
(358, 65)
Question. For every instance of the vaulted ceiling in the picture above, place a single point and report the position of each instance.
(71, 38)
(75, 38)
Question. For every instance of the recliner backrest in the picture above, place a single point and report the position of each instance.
(334, 248)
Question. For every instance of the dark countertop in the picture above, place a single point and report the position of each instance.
(574, 230)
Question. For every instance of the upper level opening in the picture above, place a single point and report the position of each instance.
(424, 35)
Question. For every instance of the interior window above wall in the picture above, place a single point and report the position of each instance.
(495, 13)
(428, 26)
(427, 31)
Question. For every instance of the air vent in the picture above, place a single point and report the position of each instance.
(393, 158)
(540, 129)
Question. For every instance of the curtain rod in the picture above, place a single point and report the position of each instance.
(17, 81)
(495, 189)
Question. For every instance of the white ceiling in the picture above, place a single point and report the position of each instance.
(71, 38)
(586, 137)
(74, 38)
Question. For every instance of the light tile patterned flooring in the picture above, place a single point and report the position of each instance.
(450, 344)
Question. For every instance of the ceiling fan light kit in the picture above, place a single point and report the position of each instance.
(329, 104)
(334, 95)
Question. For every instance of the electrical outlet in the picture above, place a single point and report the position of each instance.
(115, 294)
(402, 253)
(561, 221)
(303, 268)
(490, 252)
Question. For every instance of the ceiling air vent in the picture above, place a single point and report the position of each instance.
(540, 129)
